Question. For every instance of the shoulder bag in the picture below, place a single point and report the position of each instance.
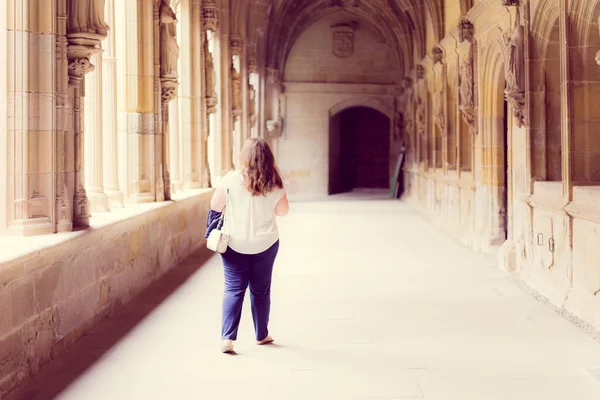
(217, 239)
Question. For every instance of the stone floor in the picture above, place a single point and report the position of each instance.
(369, 302)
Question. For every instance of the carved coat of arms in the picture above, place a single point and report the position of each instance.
(343, 39)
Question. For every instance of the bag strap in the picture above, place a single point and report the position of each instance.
(222, 217)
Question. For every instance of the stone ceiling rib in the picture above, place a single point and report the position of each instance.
(290, 18)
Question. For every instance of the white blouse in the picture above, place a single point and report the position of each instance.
(250, 220)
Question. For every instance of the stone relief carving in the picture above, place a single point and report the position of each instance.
(438, 98)
(515, 71)
(236, 87)
(421, 122)
(437, 55)
(252, 105)
(465, 30)
(343, 39)
(211, 80)
(399, 128)
(235, 44)
(467, 89)
(420, 72)
(79, 67)
(86, 16)
(210, 15)
(438, 102)
(509, 3)
(169, 49)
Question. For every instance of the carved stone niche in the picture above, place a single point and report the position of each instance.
(342, 36)
(236, 98)
(210, 15)
(465, 30)
(235, 44)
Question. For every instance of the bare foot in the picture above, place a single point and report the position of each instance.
(227, 346)
(266, 340)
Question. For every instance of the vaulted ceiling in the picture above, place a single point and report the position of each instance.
(401, 23)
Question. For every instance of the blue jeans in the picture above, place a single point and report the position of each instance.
(241, 270)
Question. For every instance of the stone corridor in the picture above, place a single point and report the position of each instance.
(370, 301)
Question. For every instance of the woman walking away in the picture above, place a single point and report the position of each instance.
(251, 199)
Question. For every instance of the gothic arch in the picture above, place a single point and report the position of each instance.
(362, 102)
(494, 129)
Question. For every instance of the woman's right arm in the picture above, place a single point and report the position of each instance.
(282, 207)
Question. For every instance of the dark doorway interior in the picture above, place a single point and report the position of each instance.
(359, 148)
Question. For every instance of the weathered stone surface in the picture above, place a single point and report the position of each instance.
(53, 304)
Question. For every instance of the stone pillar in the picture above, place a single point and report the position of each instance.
(109, 113)
(28, 130)
(226, 150)
(93, 144)
(211, 137)
(137, 104)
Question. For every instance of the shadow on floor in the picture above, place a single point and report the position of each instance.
(55, 377)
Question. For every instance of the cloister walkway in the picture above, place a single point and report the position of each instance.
(369, 302)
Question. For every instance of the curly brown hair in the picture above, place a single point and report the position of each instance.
(260, 171)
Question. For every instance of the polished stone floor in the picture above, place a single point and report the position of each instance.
(369, 301)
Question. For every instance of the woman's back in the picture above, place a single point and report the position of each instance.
(250, 220)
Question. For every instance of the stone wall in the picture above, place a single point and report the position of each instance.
(56, 294)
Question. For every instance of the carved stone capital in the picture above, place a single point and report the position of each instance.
(79, 67)
(210, 15)
(235, 45)
(465, 30)
(168, 90)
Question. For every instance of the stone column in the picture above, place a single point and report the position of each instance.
(93, 149)
(210, 106)
(27, 132)
(109, 113)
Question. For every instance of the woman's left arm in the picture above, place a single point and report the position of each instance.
(217, 203)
